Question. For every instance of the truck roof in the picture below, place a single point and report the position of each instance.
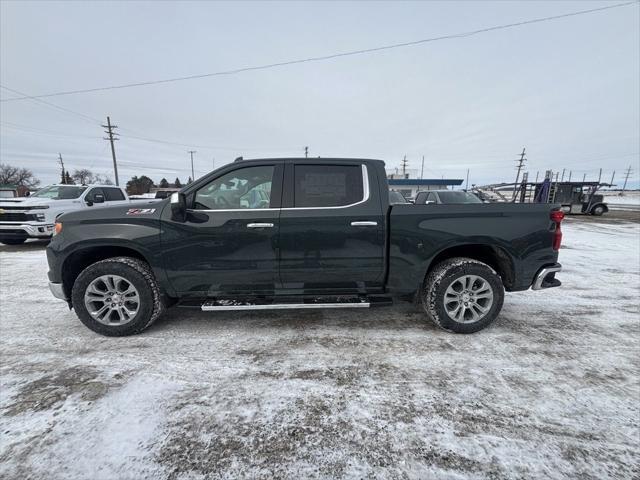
(309, 159)
(82, 185)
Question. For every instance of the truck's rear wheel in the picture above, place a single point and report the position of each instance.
(117, 296)
(598, 210)
(13, 241)
(462, 295)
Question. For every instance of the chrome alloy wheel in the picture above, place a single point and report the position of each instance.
(112, 300)
(468, 299)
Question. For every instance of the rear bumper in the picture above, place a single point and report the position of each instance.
(545, 278)
(57, 291)
(22, 230)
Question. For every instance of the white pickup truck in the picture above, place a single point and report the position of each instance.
(35, 216)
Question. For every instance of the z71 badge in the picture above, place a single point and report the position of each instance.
(140, 211)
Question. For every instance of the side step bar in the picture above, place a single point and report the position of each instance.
(220, 306)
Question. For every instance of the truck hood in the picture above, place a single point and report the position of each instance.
(34, 202)
(118, 213)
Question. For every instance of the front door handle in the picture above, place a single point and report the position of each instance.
(364, 224)
(259, 225)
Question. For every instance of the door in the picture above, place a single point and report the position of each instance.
(331, 228)
(228, 243)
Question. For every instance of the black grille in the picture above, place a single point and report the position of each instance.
(16, 217)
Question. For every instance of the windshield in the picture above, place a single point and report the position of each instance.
(60, 192)
(458, 197)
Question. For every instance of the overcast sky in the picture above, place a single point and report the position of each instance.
(568, 90)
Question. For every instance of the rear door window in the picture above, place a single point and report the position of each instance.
(327, 185)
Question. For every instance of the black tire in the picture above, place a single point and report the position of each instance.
(598, 210)
(138, 274)
(13, 241)
(444, 275)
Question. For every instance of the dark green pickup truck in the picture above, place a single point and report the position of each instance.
(299, 233)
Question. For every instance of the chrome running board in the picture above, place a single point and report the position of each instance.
(215, 306)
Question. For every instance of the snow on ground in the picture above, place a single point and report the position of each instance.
(550, 390)
(622, 201)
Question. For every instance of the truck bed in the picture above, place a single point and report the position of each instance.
(521, 235)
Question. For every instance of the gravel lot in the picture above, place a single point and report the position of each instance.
(550, 390)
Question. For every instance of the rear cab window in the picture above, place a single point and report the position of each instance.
(318, 186)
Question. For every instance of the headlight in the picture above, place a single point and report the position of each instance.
(58, 228)
(40, 217)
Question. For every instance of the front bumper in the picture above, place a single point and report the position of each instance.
(57, 291)
(21, 230)
(545, 278)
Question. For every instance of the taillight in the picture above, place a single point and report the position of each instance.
(556, 217)
(57, 228)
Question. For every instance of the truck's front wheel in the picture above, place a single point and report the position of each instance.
(117, 296)
(462, 295)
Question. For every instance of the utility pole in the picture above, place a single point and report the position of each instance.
(627, 174)
(213, 163)
(306, 152)
(584, 177)
(193, 176)
(613, 175)
(467, 184)
(562, 178)
(537, 174)
(422, 169)
(599, 176)
(570, 175)
(520, 166)
(112, 138)
(63, 177)
(405, 162)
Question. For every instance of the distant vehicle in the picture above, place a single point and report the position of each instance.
(396, 198)
(446, 197)
(35, 216)
(575, 197)
(299, 233)
(164, 192)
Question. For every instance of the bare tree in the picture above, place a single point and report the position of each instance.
(102, 179)
(83, 176)
(10, 175)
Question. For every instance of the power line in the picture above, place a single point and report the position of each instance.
(325, 57)
(44, 102)
(146, 139)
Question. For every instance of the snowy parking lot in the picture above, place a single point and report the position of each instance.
(551, 389)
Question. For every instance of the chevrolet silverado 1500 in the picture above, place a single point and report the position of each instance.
(299, 233)
(34, 217)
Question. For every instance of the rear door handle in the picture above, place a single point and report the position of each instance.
(364, 224)
(259, 225)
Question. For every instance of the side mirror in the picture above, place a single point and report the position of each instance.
(98, 198)
(178, 207)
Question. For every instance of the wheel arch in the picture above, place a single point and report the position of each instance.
(80, 259)
(494, 256)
